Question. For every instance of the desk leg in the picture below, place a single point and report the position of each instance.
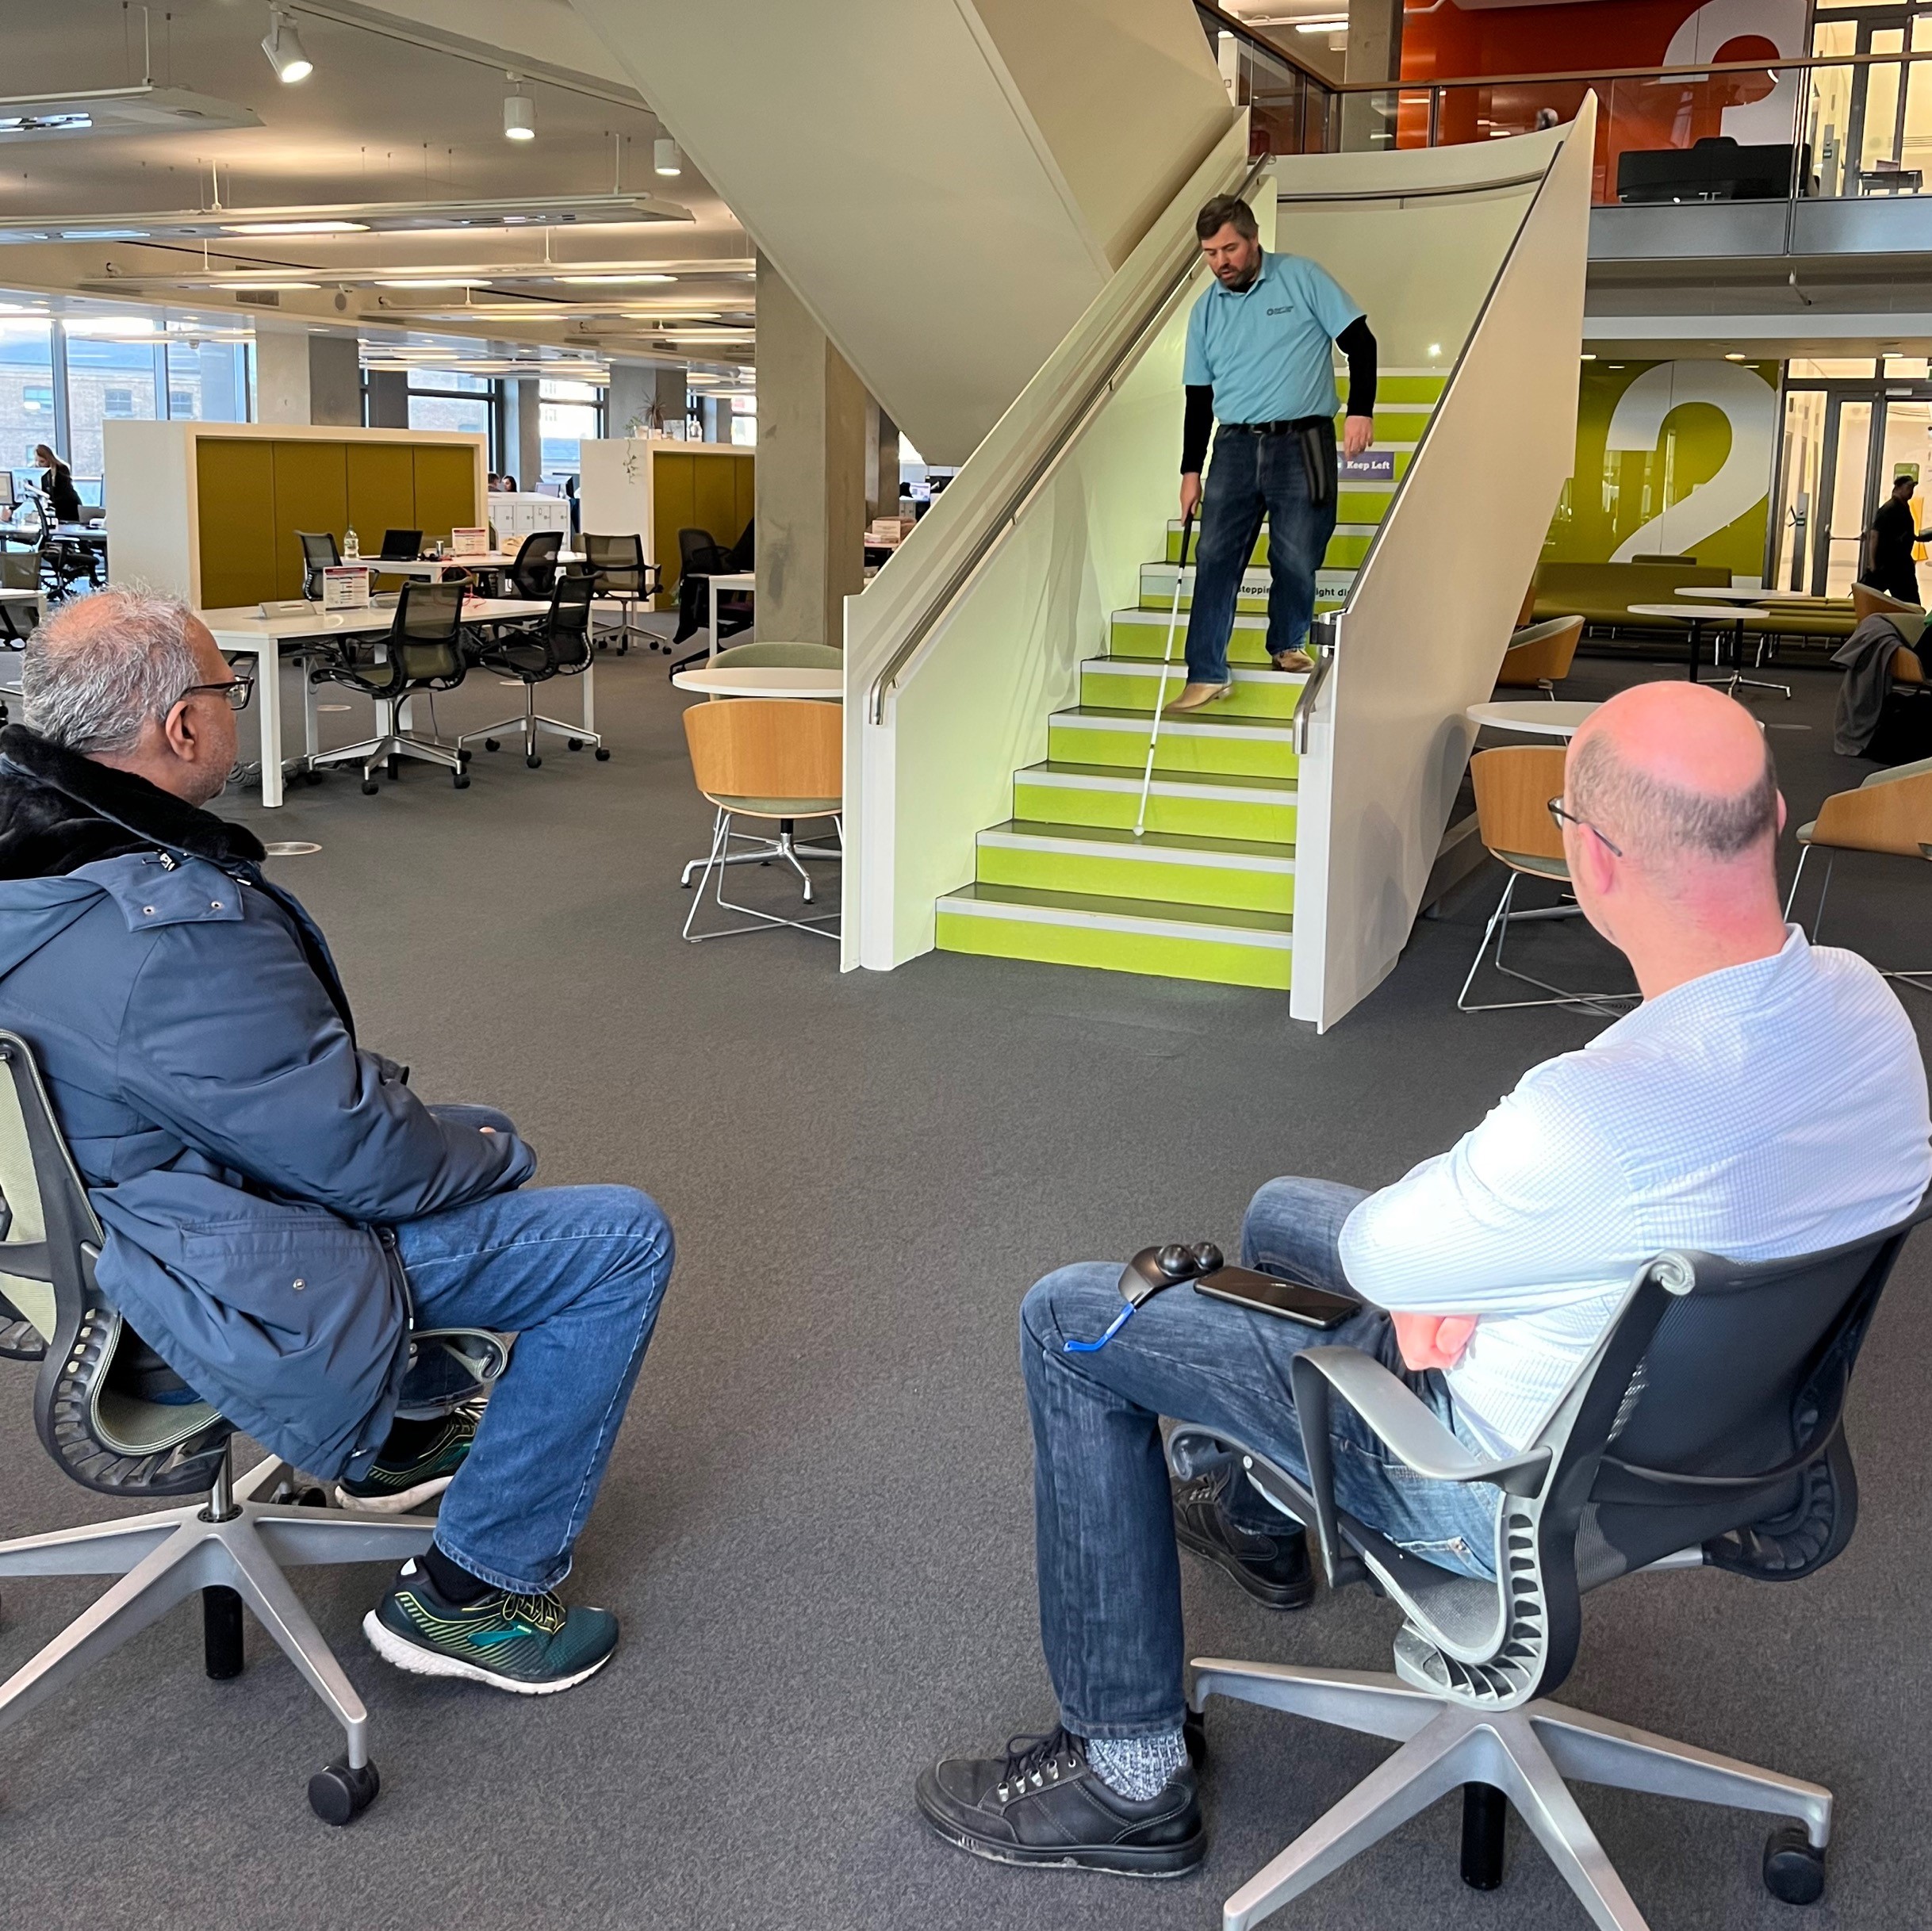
(311, 725)
(268, 695)
(1697, 644)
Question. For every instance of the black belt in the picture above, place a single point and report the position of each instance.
(1278, 429)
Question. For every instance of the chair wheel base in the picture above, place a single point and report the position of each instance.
(1794, 1866)
(603, 756)
(339, 1796)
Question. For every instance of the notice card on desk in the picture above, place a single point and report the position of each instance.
(469, 543)
(345, 586)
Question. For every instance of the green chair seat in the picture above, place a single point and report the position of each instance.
(779, 807)
(1543, 868)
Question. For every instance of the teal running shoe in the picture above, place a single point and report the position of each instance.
(392, 1487)
(532, 1645)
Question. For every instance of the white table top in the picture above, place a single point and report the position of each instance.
(1728, 613)
(1539, 720)
(1734, 592)
(19, 596)
(244, 625)
(763, 680)
(734, 580)
(434, 566)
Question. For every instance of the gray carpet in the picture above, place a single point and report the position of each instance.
(816, 1524)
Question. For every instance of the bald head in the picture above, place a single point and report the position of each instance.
(1676, 774)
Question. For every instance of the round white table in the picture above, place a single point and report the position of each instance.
(1731, 593)
(1697, 616)
(1537, 720)
(763, 680)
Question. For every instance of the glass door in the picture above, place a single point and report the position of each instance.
(1869, 436)
(1844, 507)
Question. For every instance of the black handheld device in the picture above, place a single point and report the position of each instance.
(1293, 1300)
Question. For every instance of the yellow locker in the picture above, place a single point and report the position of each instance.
(446, 490)
(311, 493)
(234, 506)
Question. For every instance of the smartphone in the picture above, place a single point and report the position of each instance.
(1293, 1300)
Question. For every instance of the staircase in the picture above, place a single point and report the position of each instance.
(1208, 893)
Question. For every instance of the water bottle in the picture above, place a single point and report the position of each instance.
(352, 548)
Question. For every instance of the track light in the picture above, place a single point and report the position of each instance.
(667, 160)
(519, 114)
(284, 48)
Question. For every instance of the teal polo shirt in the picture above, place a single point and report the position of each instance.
(1266, 351)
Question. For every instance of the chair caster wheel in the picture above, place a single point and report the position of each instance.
(463, 753)
(492, 744)
(460, 779)
(623, 650)
(603, 756)
(370, 788)
(339, 1796)
(1794, 1866)
(574, 744)
(532, 764)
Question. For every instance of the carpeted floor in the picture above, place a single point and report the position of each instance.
(816, 1524)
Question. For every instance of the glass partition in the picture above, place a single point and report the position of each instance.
(1292, 110)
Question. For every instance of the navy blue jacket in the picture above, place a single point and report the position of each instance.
(245, 1156)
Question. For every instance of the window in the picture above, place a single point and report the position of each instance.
(208, 381)
(568, 414)
(107, 380)
(37, 398)
(117, 402)
(26, 394)
(443, 398)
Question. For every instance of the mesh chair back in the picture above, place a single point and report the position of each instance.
(319, 554)
(699, 555)
(89, 1407)
(566, 631)
(534, 571)
(426, 639)
(20, 570)
(769, 749)
(617, 562)
(401, 546)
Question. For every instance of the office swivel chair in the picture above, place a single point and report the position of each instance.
(319, 554)
(534, 573)
(560, 647)
(1706, 1430)
(423, 651)
(700, 559)
(119, 1421)
(400, 545)
(618, 564)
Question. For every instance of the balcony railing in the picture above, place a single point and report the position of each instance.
(1292, 108)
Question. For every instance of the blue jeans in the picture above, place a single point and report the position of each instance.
(1252, 476)
(1109, 1572)
(577, 1275)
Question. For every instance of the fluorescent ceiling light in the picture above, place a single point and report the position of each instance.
(284, 47)
(665, 158)
(104, 234)
(91, 111)
(1733, 356)
(108, 326)
(273, 288)
(18, 124)
(519, 116)
(426, 281)
(294, 228)
(1329, 24)
(609, 281)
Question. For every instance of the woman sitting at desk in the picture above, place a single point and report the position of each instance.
(57, 485)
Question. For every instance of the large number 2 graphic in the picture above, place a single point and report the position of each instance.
(1746, 401)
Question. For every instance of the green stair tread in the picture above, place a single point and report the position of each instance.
(1155, 911)
(1149, 841)
(1282, 790)
(1240, 724)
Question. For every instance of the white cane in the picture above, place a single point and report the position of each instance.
(1166, 657)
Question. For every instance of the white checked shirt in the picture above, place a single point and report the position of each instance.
(1771, 1109)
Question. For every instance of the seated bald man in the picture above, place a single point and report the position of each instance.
(279, 1206)
(1767, 1099)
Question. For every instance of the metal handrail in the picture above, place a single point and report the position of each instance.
(1324, 662)
(1001, 525)
(1432, 84)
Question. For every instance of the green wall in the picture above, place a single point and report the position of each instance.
(1672, 457)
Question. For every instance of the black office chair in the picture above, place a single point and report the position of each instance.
(560, 647)
(423, 651)
(401, 546)
(1706, 1430)
(700, 559)
(320, 553)
(534, 573)
(618, 564)
(118, 1420)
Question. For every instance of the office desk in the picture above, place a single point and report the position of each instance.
(245, 632)
(431, 568)
(735, 580)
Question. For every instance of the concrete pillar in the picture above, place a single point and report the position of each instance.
(667, 392)
(810, 473)
(388, 398)
(304, 378)
(1374, 50)
(522, 431)
(881, 462)
(632, 386)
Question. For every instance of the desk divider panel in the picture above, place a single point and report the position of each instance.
(446, 490)
(235, 490)
(311, 493)
(713, 492)
(381, 491)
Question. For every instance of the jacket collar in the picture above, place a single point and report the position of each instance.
(148, 813)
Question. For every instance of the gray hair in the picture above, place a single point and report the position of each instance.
(97, 670)
(1660, 822)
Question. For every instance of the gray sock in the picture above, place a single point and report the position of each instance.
(1138, 1768)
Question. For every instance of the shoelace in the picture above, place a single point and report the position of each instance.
(1033, 1762)
(545, 1613)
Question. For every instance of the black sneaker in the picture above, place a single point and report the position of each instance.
(1043, 1803)
(1274, 1568)
(532, 1645)
(393, 1488)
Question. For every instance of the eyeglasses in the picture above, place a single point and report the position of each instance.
(235, 690)
(1563, 817)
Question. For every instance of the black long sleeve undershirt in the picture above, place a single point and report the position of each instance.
(1355, 341)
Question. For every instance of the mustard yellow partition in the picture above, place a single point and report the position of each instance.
(311, 493)
(714, 492)
(446, 490)
(381, 491)
(236, 491)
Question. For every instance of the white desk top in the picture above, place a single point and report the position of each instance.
(734, 580)
(433, 567)
(1537, 720)
(763, 680)
(244, 626)
(19, 596)
(1727, 613)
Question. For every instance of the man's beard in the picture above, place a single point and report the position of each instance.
(1243, 282)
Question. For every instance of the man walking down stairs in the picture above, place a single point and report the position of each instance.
(1259, 358)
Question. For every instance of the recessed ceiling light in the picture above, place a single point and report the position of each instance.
(426, 281)
(609, 281)
(1731, 355)
(294, 228)
(284, 48)
(1587, 357)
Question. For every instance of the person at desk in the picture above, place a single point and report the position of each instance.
(1258, 357)
(1888, 543)
(1767, 1099)
(57, 486)
(280, 1208)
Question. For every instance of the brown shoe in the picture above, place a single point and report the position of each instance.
(1294, 660)
(1196, 695)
